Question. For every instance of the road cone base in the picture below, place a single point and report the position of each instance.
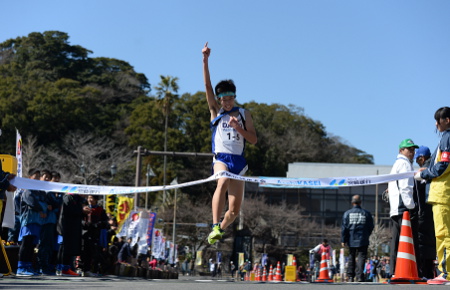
(323, 281)
(406, 281)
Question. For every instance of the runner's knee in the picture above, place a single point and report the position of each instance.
(233, 214)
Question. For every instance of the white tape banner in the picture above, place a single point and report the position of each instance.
(26, 183)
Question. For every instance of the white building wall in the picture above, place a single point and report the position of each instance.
(321, 170)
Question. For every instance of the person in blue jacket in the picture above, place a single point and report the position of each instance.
(357, 225)
(33, 211)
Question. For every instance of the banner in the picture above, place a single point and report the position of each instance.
(158, 244)
(334, 257)
(171, 247)
(342, 261)
(124, 205)
(151, 226)
(290, 258)
(240, 259)
(135, 227)
(264, 260)
(219, 257)
(198, 258)
(19, 153)
(335, 182)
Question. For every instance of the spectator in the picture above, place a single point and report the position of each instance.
(95, 225)
(153, 263)
(48, 242)
(323, 247)
(5, 177)
(374, 268)
(69, 228)
(401, 196)
(357, 225)
(301, 273)
(439, 195)
(232, 269)
(56, 199)
(212, 267)
(387, 269)
(219, 270)
(427, 240)
(13, 233)
(33, 211)
(125, 252)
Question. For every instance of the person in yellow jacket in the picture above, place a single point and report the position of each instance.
(439, 195)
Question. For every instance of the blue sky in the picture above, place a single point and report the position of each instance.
(372, 72)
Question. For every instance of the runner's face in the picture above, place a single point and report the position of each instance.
(227, 102)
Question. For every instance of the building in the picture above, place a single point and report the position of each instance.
(327, 205)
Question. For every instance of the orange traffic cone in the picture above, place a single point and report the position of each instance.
(324, 276)
(270, 273)
(406, 267)
(278, 277)
(294, 263)
(264, 274)
(257, 277)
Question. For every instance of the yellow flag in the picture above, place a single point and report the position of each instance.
(110, 205)
(124, 205)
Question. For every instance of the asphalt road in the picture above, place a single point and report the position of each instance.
(184, 282)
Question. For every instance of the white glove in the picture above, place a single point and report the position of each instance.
(418, 177)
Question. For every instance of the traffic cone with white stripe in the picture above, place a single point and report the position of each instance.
(406, 266)
(324, 276)
(278, 277)
(270, 278)
(264, 275)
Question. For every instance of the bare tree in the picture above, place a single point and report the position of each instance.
(379, 236)
(188, 216)
(32, 155)
(80, 151)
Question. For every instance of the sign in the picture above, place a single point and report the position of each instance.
(9, 163)
(290, 274)
(201, 225)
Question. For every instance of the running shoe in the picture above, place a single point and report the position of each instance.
(69, 273)
(439, 280)
(215, 235)
(24, 272)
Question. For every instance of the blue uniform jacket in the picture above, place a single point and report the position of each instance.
(32, 202)
(357, 225)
